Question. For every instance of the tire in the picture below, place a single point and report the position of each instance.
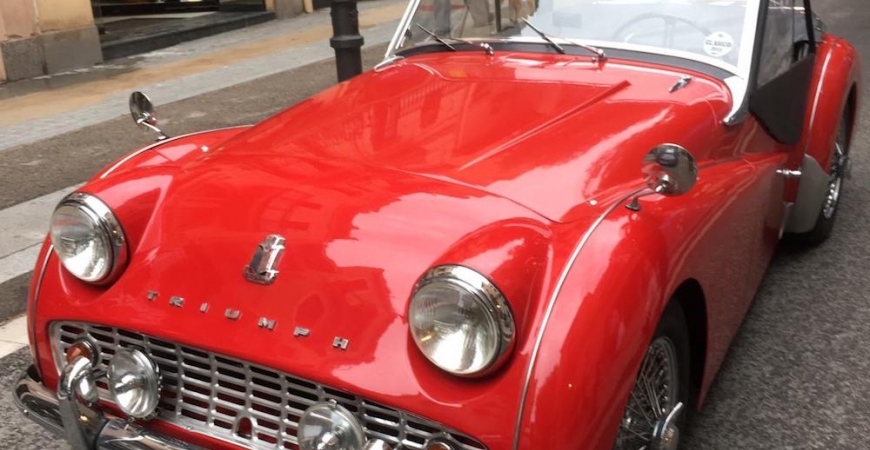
(827, 216)
(636, 423)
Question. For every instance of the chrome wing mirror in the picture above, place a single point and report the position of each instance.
(142, 111)
(668, 169)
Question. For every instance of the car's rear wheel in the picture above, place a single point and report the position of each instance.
(656, 406)
(839, 168)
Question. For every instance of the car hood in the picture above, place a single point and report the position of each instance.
(356, 243)
(549, 133)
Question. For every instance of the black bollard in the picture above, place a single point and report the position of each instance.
(346, 39)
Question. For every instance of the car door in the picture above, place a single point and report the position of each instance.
(781, 78)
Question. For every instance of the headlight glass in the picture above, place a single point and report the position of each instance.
(88, 238)
(134, 381)
(460, 321)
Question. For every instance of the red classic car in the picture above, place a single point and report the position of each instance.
(533, 226)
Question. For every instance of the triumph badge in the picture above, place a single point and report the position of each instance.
(262, 270)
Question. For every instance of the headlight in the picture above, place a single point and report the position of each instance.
(134, 381)
(329, 426)
(88, 238)
(461, 321)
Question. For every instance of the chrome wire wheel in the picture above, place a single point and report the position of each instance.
(654, 395)
(838, 169)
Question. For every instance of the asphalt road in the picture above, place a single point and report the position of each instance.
(797, 376)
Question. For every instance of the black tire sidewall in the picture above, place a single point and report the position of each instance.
(672, 325)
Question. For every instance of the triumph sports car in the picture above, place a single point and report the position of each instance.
(534, 225)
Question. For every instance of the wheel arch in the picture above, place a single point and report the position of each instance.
(835, 93)
(690, 296)
(852, 110)
(837, 90)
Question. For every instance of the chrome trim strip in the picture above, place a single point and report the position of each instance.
(747, 40)
(816, 101)
(739, 84)
(31, 316)
(739, 88)
(552, 303)
(159, 143)
(399, 35)
(386, 62)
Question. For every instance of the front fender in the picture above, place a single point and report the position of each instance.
(599, 329)
(613, 296)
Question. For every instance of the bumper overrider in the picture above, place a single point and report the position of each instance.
(74, 413)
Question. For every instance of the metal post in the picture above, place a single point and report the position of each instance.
(346, 39)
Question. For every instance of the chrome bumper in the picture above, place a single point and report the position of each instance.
(81, 421)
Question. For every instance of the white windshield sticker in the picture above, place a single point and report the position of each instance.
(718, 44)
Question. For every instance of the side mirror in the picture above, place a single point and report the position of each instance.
(142, 111)
(668, 169)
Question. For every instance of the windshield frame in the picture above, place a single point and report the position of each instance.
(742, 70)
(738, 83)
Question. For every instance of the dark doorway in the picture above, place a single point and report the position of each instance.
(129, 27)
(135, 7)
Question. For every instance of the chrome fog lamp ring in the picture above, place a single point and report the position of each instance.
(88, 238)
(329, 426)
(440, 443)
(134, 382)
(461, 321)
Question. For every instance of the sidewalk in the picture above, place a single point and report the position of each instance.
(37, 109)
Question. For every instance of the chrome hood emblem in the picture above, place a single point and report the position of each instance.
(261, 269)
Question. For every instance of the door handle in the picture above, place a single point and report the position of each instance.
(788, 173)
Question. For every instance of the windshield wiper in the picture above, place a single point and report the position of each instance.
(599, 54)
(486, 47)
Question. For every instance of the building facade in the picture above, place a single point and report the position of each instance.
(43, 37)
(39, 37)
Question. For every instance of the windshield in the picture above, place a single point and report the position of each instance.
(711, 31)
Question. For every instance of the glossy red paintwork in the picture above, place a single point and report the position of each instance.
(837, 78)
(498, 163)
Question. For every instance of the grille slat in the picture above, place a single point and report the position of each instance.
(210, 394)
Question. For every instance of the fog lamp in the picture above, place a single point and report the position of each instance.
(377, 444)
(329, 426)
(134, 381)
(84, 349)
(439, 444)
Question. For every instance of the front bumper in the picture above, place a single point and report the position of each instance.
(81, 422)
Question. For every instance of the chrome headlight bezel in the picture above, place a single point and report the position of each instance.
(489, 297)
(103, 219)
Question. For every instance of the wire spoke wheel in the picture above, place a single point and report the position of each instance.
(835, 183)
(655, 393)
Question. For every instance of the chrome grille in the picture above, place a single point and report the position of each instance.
(242, 403)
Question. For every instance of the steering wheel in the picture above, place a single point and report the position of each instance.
(671, 23)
